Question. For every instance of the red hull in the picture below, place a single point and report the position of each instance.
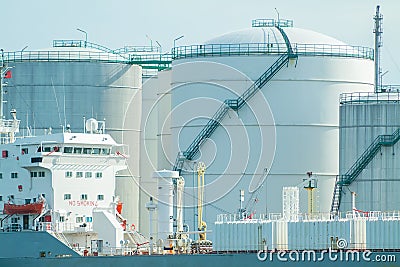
(34, 208)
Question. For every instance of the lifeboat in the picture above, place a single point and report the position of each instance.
(33, 208)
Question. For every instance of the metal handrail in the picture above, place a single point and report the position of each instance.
(234, 104)
(369, 97)
(149, 61)
(151, 57)
(366, 156)
(59, 56)
(81, 43)
(137, 49)
(271, 23)
(249, 49)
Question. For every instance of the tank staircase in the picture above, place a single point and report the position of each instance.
(234, 104)
(359, 166)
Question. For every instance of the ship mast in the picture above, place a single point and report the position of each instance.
(378, 44)
(8, 128)
(3, 71)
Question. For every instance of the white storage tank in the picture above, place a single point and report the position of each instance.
(156, 105)
(60, 85)
(286, 129)
(364, 118)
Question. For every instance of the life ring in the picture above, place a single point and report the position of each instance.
(133, 227)
(48, 226)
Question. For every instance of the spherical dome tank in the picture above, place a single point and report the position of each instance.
(366, 120)
(286, 128)
(61, 85)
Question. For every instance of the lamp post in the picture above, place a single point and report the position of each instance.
(85, 35)
(159, 45)
(177, 38)
(278, 15)
(381, 81)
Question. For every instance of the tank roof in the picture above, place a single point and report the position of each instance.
(269, 37)
(272, 35)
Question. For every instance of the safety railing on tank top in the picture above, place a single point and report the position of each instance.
(138, 49)
(81, 43)
(208, 50)
(59, 56)
(391, 95)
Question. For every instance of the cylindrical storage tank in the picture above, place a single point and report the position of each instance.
(363, 118)
(72, 80)
(165, 198)
(289, 126)
(156, 105)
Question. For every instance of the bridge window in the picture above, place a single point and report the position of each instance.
(87, 150)
(77, 150)
(105, 151)
(79, 174)
(96, 151)
(88, 174)
(41, 174)
(24, 151)
(67, 196)
(34, 174)
(100, 197)
(14, 175)
(84, 197)
(68, 174)
(99, 175)
(79, 219)
(68, 150)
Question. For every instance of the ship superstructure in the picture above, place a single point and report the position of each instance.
(54, 182)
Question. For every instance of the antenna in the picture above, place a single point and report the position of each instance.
(378, 44)
(2, 66)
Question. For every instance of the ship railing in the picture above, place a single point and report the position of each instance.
(6, 140)
(373, 215)
(318, 216)
(61, 227)
(236, 217)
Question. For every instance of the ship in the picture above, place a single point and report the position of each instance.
(60, 209)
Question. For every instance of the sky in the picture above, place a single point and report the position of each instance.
(118, 23)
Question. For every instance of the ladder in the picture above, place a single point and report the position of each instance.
(234, 104)
(360, 164)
